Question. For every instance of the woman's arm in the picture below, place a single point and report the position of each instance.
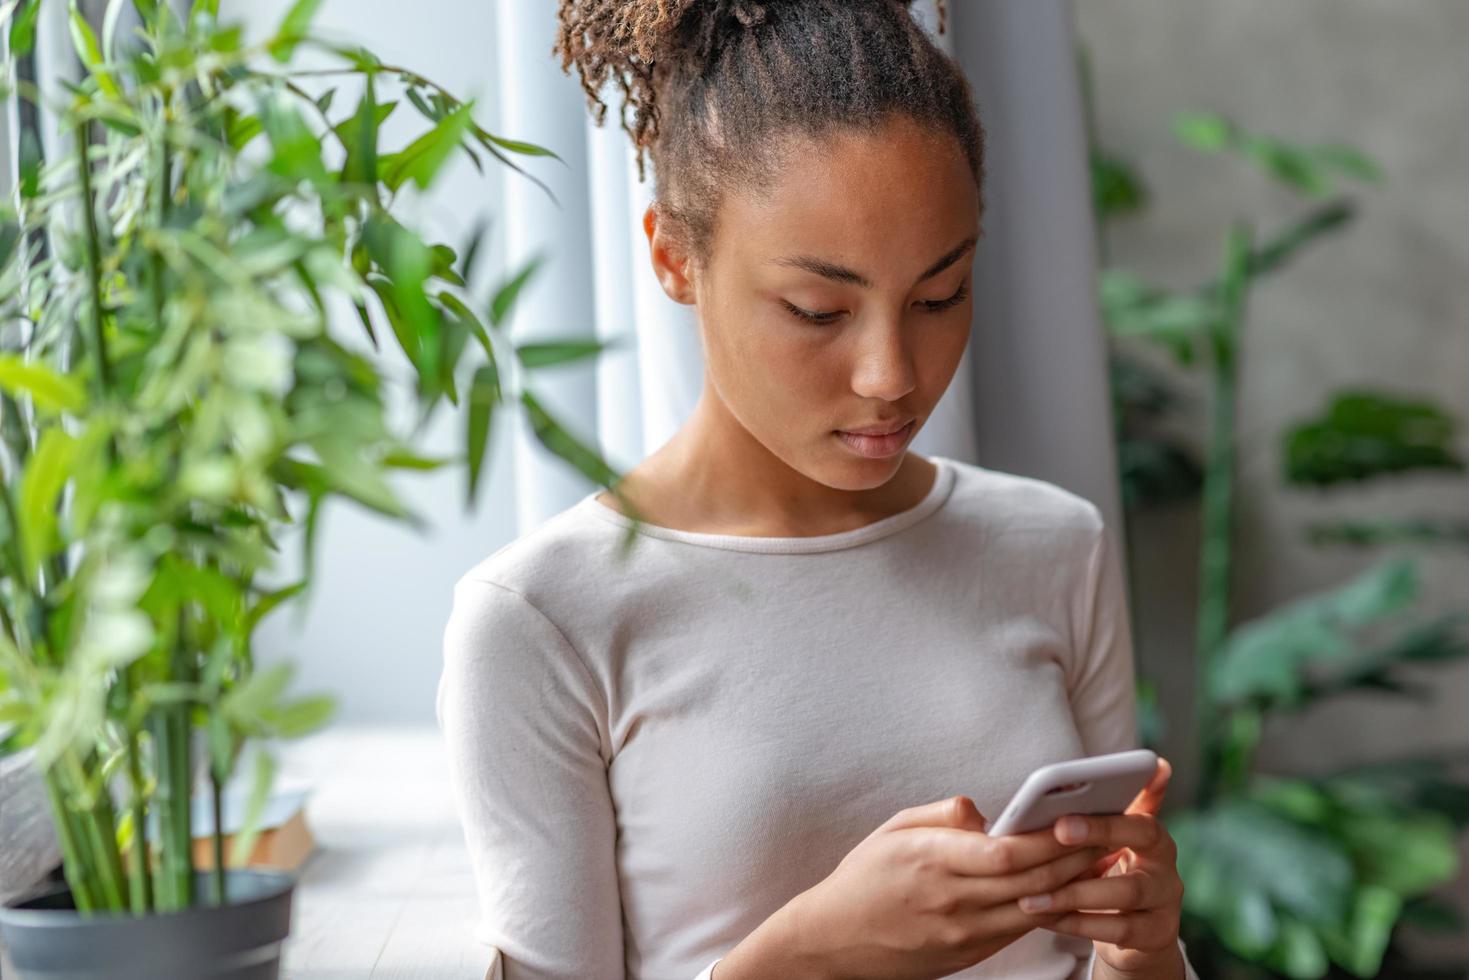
(1102, 681)
(525, 730)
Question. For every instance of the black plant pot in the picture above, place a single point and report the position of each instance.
(45, 938)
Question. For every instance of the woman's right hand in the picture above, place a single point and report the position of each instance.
(925, 895)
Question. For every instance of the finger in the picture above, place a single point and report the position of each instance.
(1142, 832)
(968, 853)
(978, 893)
(1130, 930)
(1151, 797)
(1047, 878)
(1104, 864)
(1131, 892)
(955, 811)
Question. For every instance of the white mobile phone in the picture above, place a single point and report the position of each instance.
(1099, 784)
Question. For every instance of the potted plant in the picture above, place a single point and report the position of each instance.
(173, 398)
(1313, 874)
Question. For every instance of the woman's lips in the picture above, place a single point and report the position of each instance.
(877, 447)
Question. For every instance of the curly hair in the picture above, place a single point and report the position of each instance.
(711, 83)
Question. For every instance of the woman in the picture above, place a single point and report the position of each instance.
(755, 747)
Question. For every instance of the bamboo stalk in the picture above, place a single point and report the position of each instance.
(1218, 509)
(73, 863)
(140, 885)
(99, 824)
(165, 895)
(175, 840)
(94, 259)
(216, 800)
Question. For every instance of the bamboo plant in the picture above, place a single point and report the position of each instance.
(177, 391)
(1301, 875)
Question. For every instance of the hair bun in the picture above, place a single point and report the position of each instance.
(748, 12)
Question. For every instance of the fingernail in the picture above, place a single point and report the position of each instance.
(1072, 830)
(1034, 903)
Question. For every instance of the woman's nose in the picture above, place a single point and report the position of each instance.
(883, 366)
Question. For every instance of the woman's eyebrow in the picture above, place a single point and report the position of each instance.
(839, 273)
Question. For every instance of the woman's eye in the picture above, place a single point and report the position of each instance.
(939, 305)
(810, 317)
(929, 306)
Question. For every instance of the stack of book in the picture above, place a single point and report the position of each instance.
(285, 841)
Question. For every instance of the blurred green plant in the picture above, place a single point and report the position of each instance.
(1301, 876)
(173, 398)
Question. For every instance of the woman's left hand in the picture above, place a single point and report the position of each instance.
(1135, 891)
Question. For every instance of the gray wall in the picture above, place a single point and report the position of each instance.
(1385, 305)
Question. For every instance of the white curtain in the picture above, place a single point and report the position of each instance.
(1030, 396)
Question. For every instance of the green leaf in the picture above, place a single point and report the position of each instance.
(30, 162)
(360, 166)
(420, 160)
(46, 473)
(1291, 165)
(293, 29)
(89, 50)
(1437, 641)
(1301, 954)
(297, 151)
(456, 306)
(507, 294)
(1348, 160)
(554, 437)
(1117, 187)
(109, 28)
(1267, 659)
(247, 703)
(1366, 434)
(402, 459)
(1303, 167)
(484, 396)
(1361, 944)
(23, 28)
(254, 809)
(471, 249)
(1319, 222)
(1248, 848)
(407, 262)
(300, 717)
(1204, 131)
(269, 601)
(517, 146)
(347, 130)
(9, 240)
(547, 353)
(1174, 321)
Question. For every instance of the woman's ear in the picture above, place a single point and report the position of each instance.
(671, 262)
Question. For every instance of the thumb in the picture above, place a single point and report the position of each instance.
(1150, 799)
(954, 811)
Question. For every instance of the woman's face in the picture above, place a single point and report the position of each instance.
(839, 299)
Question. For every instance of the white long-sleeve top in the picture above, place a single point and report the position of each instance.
(651, 757)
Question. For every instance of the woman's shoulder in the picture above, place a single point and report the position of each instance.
(564, 551)
(1001, 503)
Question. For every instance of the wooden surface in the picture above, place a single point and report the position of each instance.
(388, 892)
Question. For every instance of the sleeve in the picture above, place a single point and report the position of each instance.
(525, 731)
(1103, 685)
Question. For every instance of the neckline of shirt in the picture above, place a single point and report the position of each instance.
(943, 484)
